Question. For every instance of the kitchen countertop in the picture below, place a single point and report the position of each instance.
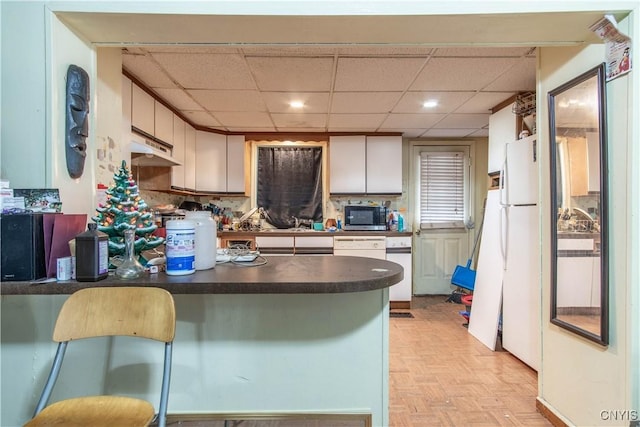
(280, 275)
(310, 233)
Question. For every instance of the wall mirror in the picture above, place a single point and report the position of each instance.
(579, 258)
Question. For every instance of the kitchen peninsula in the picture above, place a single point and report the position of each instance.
(298, 335)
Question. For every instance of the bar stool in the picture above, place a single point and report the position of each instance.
(141, 312)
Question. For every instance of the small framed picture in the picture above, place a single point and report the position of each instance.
(40, 199)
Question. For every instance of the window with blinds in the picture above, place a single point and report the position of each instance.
(442, 189)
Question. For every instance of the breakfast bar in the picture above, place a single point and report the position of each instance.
(297, 335)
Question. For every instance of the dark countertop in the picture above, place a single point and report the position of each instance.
(280, 275)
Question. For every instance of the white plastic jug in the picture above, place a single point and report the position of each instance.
(206, 245)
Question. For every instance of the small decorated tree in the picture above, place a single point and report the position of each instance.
(126, 210)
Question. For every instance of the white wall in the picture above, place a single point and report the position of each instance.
(23, 95)
(578, 378)
(63, 49)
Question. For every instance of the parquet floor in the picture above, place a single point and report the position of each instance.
(440, 375)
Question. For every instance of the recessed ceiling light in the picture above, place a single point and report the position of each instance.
(430, 103)
(296, 104)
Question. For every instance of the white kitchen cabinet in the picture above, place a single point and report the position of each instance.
(211, 162)
(360, 164)
(347, 164)
(189, 157)
(177, 172)
(503, 129)
(235, 164)
(126, 108)
(275, 245)
(142, 110)
(399, 251)
(384, 164)
(313, 245)
(163, 123)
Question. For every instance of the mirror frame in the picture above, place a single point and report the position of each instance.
(603, 337)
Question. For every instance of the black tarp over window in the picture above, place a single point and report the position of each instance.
(290, 184)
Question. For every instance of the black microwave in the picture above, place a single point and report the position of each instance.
(365, 218)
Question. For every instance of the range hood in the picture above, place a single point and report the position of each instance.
(145, 152)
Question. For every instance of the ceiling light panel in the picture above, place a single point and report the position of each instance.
(279, 102)
(413, 102)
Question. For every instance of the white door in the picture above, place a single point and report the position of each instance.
(437, 251)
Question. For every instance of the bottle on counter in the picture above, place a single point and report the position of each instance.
(400, 222)
(180, 247)
(92, 255)
(205, 235)
(130, 267)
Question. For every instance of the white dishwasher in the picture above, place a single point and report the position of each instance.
(364, 246)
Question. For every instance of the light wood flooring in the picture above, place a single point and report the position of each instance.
(440, 375)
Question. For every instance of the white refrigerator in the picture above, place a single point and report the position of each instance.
(506, 294)
(520, 250)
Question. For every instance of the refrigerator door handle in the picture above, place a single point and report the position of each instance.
(503, 175)
(504, 235)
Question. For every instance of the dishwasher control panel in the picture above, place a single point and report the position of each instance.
(359, 242)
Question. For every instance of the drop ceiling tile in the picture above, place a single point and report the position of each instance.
(179, 99)
(362, 122)
(228, 100)
(299, 120)
(201, 118)
(291, 51)
(482, 51)
(245, 129)
(447, 133)
(291, 73)
(278, 102)
(461, 74)
(483, 102)
(146, 71)
(238, 119)
(382, 50)
(406, 133)
(210, 50)
(463, 121)
(364, 102)
(206, 71)
(520, 78)
(481, 133)
(414, 121)
(297, 129)
(376, 74)
(411, 102)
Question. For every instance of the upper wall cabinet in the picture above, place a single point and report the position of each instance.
(503, 128)
(235, 164)
(219, 163)
(189, 157)
(384, 164)
(347, 164)
(163, 123)
(371, 165)
(178, 152)
(211, 162)
(142, 110)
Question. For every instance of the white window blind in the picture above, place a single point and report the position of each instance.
(442, 191)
